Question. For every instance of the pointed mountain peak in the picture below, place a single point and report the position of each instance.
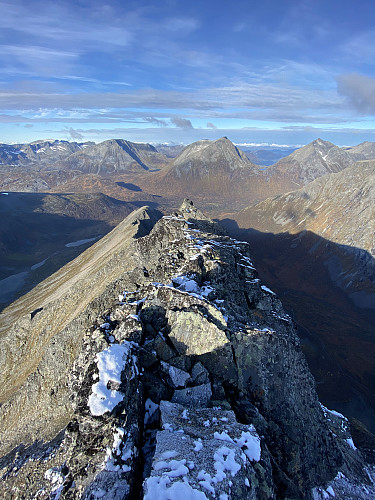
(320, 143)
(309, 162)
(221, 154)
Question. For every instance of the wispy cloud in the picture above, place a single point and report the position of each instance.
(360, 47)
(241, 101)
(166, 66)
(359, 90)
(74, 134)
(181, 122)
(156, 121)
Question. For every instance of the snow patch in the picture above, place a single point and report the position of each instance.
(157, 488)
(111, 363)
(80, 242)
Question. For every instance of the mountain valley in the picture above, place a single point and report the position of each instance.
(309, 221)
(41, 232)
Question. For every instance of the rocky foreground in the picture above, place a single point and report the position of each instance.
(158, 366)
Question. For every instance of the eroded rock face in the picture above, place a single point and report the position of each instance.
(189, 381)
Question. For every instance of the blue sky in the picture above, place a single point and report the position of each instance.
(280, 72)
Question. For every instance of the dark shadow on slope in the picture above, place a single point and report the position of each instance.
(131, 153)
(37, 450)
(309, 275)
(33, 242)
(34, 252)
(130, 186)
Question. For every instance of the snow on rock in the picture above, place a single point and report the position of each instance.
(178, 377)
(118, 454)
(214, 461)
(341, 487)
(57, 478)
(111, 362)
(339, 425)
(350, 443)
(162, 488)
(250, 442)
(266, 289)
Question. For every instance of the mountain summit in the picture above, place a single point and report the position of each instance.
(205, 158)
(215, 170)
(308, 163)
(158, 365)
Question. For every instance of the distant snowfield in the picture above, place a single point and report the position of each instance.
(81, 242)
(39, 264)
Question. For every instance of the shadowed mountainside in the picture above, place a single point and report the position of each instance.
(340, 208)
(40, 232)
(315, 246)
(337, 336)
(115, 155)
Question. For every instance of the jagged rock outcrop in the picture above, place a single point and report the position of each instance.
(164, 369)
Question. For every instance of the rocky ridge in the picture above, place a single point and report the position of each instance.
(365, 149)
(180, 374)
(115, 155)
(38, 152)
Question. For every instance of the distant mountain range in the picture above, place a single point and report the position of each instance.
(216, 173)
(39, 152)
(265, 155)
(115, 155)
